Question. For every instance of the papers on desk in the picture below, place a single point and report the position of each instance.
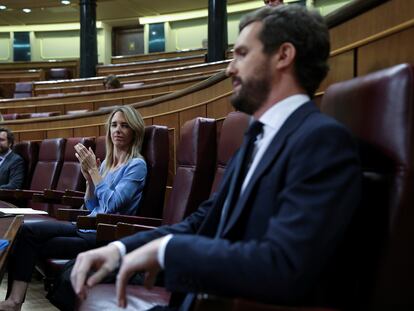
(22, 211)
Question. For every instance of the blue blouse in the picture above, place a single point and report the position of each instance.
(120, 191)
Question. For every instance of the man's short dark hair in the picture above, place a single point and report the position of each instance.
(303, 28)
(111, 82)
(10, 135)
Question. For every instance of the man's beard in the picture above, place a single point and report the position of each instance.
(253, 92)
(4, 150)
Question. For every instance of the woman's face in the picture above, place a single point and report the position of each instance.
(121, 134)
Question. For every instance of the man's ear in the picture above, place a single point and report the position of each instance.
(285, 55)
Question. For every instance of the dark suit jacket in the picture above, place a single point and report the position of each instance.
(285, 227)
(12, 172)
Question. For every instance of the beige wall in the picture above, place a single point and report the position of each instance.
(56, 42)
(61, 41)
(5, 47)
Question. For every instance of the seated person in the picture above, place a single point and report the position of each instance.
(273, 2)
(275, 227)
(11, 164)
(111, 82)
(114, 188)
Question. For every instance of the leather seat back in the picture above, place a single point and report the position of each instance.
(379, 253)
(155, 151)
(29, 151)
(196, 159)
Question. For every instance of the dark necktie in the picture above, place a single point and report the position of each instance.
(240, 171)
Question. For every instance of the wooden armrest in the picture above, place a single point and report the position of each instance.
(69, 214)
(105, 233)
(75, 202)
(206, 302)
(53, 194)
(74, 193)
(124, 229)
(86, 222)
(7, 193)
(26, 194)
(114, 219)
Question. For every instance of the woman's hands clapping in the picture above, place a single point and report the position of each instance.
(88, 161)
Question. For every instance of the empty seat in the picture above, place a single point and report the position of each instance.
(10, 116)
(196, 159)
(48, 166)
(29, 151)
(70, 176)
(37, 115)
(23, 89)
(155, 151)
(59, 74)
(379, 109)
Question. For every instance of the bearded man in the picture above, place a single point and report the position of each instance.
(271, 231)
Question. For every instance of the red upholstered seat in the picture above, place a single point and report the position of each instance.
(231, 137)
(378, 109)
(48, 166)
(29, 151)
(155, 151)
(196, 158)
(71, 176)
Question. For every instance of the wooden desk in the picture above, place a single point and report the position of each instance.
(9, 226)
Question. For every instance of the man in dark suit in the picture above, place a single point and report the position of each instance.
(11, 164)
(271, 231)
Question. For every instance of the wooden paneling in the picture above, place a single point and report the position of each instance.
(87, 131)
(220, 107)
(381, 18)
(395, 49)
(341, 68)
(65, 133)
(189, 114)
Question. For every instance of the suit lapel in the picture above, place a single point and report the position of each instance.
(272, 152)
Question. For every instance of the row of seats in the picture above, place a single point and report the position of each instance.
(51, 164)
(19, 116)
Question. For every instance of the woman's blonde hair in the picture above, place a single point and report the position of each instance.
(136, 123)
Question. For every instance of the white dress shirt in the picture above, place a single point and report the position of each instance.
(272, 120)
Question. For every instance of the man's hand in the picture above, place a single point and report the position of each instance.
(104, 260)
(143, 259)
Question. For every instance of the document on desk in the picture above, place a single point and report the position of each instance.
(22, 211)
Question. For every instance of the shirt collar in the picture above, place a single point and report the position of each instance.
(276, 115)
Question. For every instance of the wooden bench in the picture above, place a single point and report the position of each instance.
(8, 79)
(19, 105)
(103, 70)
(72, 65)
(156, 55)
(127, 78)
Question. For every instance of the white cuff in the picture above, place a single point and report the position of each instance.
(161, 250)
(120, 246)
